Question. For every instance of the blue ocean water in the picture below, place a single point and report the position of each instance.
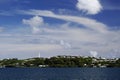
(59, 73)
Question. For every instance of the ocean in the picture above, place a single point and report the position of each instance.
(59, 73)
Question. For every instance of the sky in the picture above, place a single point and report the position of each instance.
(59, 27)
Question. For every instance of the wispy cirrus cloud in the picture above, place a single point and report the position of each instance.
(86, 22)
(7, 13)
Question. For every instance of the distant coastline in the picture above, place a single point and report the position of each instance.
(60, 61)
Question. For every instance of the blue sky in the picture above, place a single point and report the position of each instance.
(59, 27)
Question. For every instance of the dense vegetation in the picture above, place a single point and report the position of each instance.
(61, 61)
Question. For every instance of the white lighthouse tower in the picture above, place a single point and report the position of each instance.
(39, 55)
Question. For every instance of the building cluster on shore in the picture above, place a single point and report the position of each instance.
(61, 61)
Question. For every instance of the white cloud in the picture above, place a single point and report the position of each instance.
(89, 6)
(34, 23)
(93, 53)
(87, 22)
(65, 44)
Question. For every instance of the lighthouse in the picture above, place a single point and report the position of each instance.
(39, 55)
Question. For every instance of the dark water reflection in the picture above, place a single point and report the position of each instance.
(60, 74)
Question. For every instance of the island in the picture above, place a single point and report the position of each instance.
(60, 61)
